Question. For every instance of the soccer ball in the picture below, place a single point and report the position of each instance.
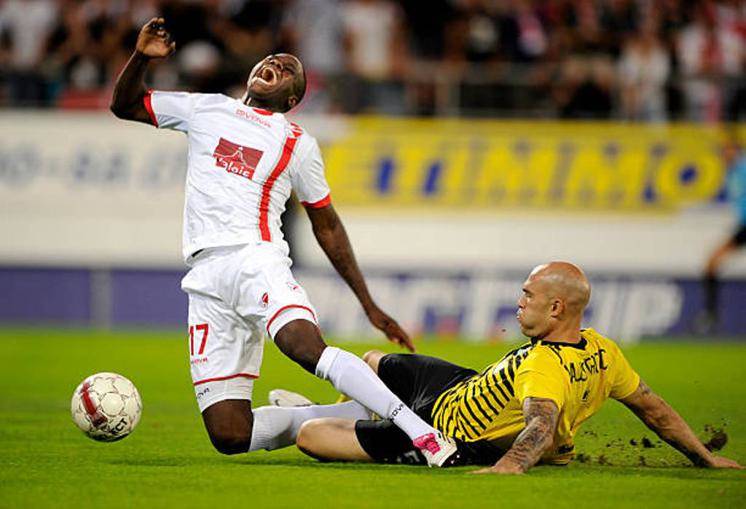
(106, 407)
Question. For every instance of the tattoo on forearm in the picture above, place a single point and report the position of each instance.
(541, 420)
(644, 389)
(667, 423)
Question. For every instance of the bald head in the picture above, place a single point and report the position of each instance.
(564, 280)
(554, 297)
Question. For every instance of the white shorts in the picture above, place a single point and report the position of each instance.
(236, 295)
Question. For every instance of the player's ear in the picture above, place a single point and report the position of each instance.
(292, 102)
(557, 308)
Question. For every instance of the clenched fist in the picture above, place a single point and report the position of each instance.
(154, 41)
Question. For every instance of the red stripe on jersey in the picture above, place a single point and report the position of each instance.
(147, 101)
(287, 152)
(263, 112)
(323, 202)
(285, 308)
(222, 378)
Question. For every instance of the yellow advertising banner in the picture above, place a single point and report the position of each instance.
(484, 164)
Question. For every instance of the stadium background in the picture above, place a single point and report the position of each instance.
(465, 142)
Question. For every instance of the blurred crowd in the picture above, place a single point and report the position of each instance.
(651, 60)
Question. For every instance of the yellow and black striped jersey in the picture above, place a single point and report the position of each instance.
(578, 377)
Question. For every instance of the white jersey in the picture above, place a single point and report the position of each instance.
(242, 165)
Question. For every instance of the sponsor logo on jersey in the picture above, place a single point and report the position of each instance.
(591, 365)
(254, 118)
(237, 159)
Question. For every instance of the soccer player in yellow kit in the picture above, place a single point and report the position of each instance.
(522, 410)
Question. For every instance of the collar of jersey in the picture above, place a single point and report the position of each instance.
(580, 345)
(262, 111)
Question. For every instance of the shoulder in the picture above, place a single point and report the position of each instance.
(297, 130)
(190, 99)
(205, 100)
(306, 145)
(593, 336)
(609, 353)
(542, 357)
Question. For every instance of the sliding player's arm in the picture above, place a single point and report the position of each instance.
(152, 42)
(533, 442)
(670, 427)
(332, 237)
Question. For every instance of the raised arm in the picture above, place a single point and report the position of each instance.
(670, 427)
(152, 42)
(332, 237)
(530, 445)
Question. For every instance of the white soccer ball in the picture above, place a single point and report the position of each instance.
(106, 407)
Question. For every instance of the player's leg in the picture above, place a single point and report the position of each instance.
(372, 358)
(301, 341)
(362, 440)
(711, 280)
(266, 287)
(331, 440)
(416, 379)
(229, 424)
(225, 355)
(277, 427)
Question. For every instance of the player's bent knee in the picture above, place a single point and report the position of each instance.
(231, 442)
(229, 424)
(308, 437)
(331, 439)
(372, 358)
(317, 438)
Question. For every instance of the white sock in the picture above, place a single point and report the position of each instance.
(277, 427)
(350, 375)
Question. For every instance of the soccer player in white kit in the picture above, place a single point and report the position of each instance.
(244, 159)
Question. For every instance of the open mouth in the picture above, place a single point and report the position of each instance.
(267, 75)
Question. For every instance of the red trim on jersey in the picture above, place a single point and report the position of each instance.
(323, 202)
(222, 378)
(287, 152)
(147, 101)
(285, 308)
(264, 112)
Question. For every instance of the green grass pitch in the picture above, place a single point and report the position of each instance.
(168, 460)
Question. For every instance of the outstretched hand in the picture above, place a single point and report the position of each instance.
(154, 41)
(388, 326)
(507, 468)
(721, 462)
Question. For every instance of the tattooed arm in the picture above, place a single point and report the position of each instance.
(669, 426)
(332, 237)
(530, 445)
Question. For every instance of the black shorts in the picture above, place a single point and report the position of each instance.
(417, 380)
(739, 237)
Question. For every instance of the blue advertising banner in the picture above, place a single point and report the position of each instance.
(467, 306)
